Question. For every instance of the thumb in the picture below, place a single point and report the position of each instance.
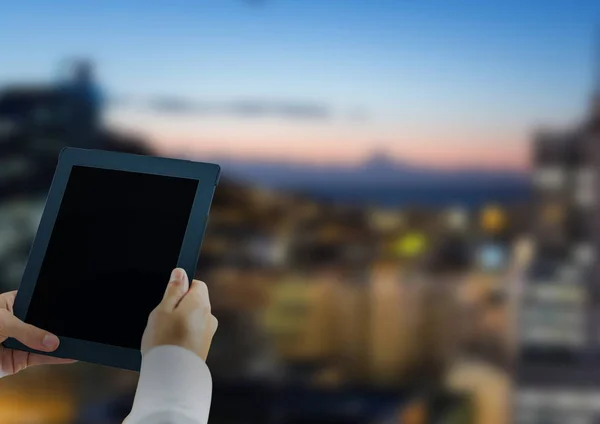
(176, 289)
(30, 336)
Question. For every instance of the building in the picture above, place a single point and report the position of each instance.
(36, 122)
(557, 373)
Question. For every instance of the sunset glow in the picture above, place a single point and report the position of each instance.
(460, 86)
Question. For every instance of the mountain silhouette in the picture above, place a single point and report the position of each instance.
(382, 181)
(376, 171)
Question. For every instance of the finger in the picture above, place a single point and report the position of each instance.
(176, 289)
(19, 359)
(197, 296)
(214, 324)
(6, 361)
(7, 300)
(30, 336)
(36, 359)
(13, 361)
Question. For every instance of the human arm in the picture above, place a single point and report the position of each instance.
(175, 385)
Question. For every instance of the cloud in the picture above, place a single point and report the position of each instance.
(286, 109)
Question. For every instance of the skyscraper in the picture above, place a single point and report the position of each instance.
(557, 373)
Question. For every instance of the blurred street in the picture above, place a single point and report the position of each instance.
(328, 312)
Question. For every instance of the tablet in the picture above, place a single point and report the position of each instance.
(113, 228)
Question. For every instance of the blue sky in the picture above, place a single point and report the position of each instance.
(470, 76)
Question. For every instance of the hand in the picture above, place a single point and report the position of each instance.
(183, 317)
(13, 361)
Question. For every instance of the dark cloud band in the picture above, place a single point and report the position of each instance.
(239, 108)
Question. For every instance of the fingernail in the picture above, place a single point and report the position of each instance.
(50, 340)
(176, 275)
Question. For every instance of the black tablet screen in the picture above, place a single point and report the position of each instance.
(116, 238)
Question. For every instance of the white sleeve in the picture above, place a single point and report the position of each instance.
(175, 387)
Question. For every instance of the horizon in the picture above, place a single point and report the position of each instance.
(397, 162)
(448, 85)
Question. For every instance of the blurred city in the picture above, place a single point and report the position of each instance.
(404, 231)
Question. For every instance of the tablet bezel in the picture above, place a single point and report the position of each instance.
(208, 176)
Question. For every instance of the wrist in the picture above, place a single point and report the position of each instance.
(176, 348)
